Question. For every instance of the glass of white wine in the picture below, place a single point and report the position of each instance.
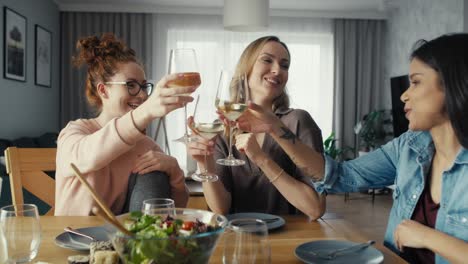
(207, 130)
(231, 100)
(184, 62)
(206, 124)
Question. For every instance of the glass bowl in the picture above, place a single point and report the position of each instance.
(181, 249)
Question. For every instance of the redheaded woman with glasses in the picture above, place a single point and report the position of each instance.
(120, 162)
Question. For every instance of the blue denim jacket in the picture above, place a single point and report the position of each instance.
(404, 162)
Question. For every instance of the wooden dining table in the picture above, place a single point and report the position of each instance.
(296, 231)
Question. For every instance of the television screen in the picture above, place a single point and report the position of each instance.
(399, 84)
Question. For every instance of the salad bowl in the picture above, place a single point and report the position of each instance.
(169, 235)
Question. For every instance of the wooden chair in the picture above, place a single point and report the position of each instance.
(26, 168)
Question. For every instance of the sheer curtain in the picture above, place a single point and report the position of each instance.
(310, 84)
(358, 74)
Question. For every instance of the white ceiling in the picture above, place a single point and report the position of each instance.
(294, 8)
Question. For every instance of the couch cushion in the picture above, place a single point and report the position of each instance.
(47, 140)
(24, 142)
(4, 144)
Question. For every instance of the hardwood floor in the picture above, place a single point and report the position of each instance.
(369, 217)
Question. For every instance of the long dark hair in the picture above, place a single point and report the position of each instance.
(448, 56)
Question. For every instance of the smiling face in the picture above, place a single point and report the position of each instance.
(269, 73)
(425, 98)
(117, 101)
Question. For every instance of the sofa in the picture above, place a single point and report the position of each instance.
(46, 140)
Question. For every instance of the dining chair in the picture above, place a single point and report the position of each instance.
(26, 168)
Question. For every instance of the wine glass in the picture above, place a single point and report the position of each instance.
(206, 125)
(246, 241)
(22, 231)
(184, 62)
(231, 101)
(152, 204)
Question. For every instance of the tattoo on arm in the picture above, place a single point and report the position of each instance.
(288, 135)
(310, 172)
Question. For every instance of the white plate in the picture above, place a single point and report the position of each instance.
(272, 221)
(368, 255)
(79, 243)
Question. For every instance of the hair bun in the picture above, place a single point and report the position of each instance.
(93, 49)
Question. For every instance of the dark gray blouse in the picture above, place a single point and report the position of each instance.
(250, 189)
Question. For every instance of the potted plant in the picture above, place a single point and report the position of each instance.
(329, 147)
(373, 130)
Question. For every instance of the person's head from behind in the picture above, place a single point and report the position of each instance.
(438, 92)
(266, 62)
(115, 82)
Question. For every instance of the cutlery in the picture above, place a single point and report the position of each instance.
(266, 220)
(270, 220)
(76, 232)
(339, 252)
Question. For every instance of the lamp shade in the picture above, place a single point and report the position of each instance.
(246, 15)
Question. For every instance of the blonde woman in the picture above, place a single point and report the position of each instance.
(269, 182)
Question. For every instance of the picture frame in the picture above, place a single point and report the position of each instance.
(14, 48)
(43, 57)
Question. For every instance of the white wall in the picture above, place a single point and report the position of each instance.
(27, 109)
(411, 20)
(465, 16)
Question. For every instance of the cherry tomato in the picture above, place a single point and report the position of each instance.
(188, 225)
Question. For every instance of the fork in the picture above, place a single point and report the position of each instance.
(270, 220)
(339, 252)
(76, 232)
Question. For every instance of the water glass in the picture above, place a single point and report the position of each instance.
(3, 248)
(150, 205)
(22, 232)
(246, 241)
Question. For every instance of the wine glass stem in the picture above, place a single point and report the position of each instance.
(205, 171)
(185, 112)
(230, 141)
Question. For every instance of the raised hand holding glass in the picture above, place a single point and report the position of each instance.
(231, 100)
(184, 62)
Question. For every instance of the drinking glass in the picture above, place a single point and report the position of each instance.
(3, 247)
(150, 205)
(184, 62)
(22, 231)
(231, 100)
(207, 125)
(246, 241)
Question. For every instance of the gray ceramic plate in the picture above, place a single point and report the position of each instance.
(369, 255)
(272, 221)
(79, 243)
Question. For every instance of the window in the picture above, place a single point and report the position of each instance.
(310, 84)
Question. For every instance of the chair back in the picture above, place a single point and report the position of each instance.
(26, 168)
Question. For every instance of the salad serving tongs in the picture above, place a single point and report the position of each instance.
(102, 210)
(339, 252)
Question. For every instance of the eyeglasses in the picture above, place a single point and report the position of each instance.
(134, 87)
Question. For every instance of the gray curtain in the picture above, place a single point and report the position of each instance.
(358, 74)
(134, 29)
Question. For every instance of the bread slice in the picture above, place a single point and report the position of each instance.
(106, 257)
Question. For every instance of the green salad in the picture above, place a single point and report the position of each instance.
(166, 240)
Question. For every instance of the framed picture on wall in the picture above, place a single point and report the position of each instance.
(43, 56)
(14, 48)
